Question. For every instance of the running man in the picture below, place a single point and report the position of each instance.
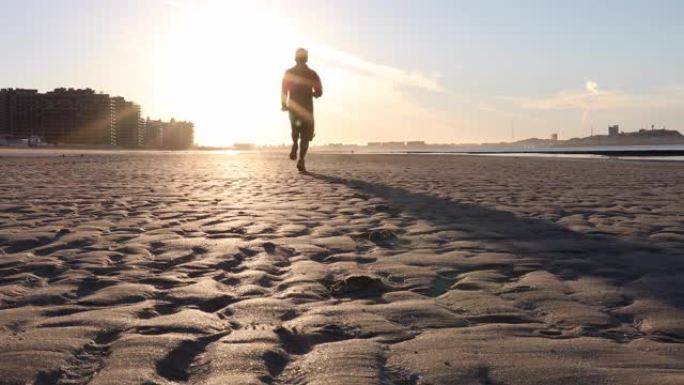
(300, 85)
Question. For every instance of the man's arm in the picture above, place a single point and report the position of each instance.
(317, 87)
(284, 92)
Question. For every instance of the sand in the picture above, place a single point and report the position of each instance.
(374, 269)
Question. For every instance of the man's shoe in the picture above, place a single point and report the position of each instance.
(293, 153)
(300, 166)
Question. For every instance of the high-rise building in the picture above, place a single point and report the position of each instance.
(74, 116)
(18, 111)
(126, 123)
(60, 116)
(614, 130)
(172, 135)
(178, 135)
(154, 133)
(81, 116)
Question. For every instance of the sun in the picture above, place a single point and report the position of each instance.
(221, 66)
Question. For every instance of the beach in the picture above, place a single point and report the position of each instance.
(201, 268)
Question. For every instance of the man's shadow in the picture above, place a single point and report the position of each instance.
(553, 246)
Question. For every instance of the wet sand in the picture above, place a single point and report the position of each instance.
(374, 269)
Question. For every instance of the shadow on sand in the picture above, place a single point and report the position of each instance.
(563, 252)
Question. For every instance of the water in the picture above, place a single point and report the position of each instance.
(590, 156)
(569, 152)
(486, 151)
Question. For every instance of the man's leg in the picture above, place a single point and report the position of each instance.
(303, 148)
(295, 137)
(305, 138)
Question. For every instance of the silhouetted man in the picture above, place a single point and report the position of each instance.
(300, 85)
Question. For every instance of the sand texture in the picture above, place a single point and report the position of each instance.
(375, 269)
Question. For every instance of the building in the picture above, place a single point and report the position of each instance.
(172, 135)
(654, 133)
(154, 134)
(178, 135)
(17, 112)
(614, 130)
(127, 126)
(554, 137)
(74, 116)
(387, 144)
(415, 143)
(84, 117)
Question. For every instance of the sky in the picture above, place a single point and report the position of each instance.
(441, 71)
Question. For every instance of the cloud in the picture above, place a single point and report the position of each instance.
(574, 111)
(395, 75)
(366, 103)
(594, 98)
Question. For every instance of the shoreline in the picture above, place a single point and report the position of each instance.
(633, 155)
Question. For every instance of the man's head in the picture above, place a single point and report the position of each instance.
(301, 56)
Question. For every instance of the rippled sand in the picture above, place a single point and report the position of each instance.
(235, 269)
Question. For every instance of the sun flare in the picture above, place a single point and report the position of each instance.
(221, 65)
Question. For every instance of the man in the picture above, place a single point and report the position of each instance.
(300, 85)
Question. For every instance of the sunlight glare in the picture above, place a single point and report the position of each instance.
(221, 66)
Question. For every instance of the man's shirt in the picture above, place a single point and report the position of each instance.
(303, 84)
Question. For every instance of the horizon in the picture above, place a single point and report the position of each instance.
(458, 73)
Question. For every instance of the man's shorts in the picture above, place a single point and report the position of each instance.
(301, 127)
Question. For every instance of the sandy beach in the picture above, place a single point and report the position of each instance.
(144, 268)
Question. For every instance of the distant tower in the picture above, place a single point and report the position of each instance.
(614, 130)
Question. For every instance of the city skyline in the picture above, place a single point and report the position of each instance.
(473, 73)
(84, 117)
